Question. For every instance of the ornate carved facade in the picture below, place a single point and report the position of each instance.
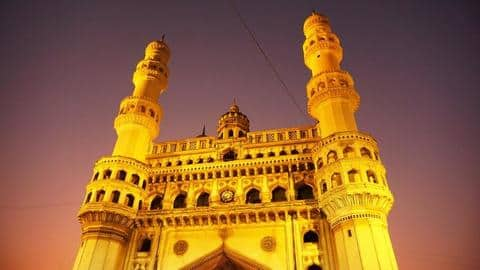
(313, 197)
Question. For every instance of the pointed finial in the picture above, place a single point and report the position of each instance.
(234, 107)
(203, 130)
(163, 37)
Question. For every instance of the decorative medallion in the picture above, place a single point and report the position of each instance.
(227, 196)
(268, 243)
(180, 247)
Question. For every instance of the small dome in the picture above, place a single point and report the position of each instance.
(233, 123)
(157, 49)
(315, 19)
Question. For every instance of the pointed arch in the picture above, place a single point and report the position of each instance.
(279, 194)
(303, 191)
(157, 203)
(253, 196)
(203, 199)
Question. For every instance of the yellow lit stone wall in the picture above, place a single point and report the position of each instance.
(313, 197)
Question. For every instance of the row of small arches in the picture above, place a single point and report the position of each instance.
(231, 155)
(353, 177)
(120, 175)
(139, 109)
(100, 196)
(234, 173)
(302, 192)
(348, 152)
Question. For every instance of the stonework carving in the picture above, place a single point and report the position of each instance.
(180, 247)
(268, 243)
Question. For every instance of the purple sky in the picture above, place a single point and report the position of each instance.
(65, 66)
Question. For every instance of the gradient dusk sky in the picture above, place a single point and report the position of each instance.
(66, 65)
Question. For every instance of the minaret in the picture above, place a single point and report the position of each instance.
(137, 123)
(233, 124)
(117, 189)
(354, 193)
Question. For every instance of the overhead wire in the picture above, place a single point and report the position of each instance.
(266, 58)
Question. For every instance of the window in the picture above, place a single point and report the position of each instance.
(95, 177)
(135, 179)
(179, 163)
(271, 154)
(282, 153)
(371, 177)
(336, 179)
(303, 192)
(100, 195)
(364, 152)
(348, 152)
(332, 156)
(209, 160)
(140, 205)
(248, 156)
(203, 199)
(324, 187)
(353, 176)
(180, 201)
(130, 200)
(259, 155)
(294, 152)
(310, 237)
(229, 155)
(144, 185)
(122, 175)
(253, 196)
(157, 203)
(230, 133)
(145, 245)
(115, 196)
(107, 174)
(89, 197)
(278, 194)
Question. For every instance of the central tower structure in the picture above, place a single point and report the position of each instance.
(310, 198)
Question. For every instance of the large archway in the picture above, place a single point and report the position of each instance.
(224, 259)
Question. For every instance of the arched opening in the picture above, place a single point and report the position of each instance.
(130, 200)
(189, 162)
(314, 267)
(253, 196)
(241, 134)
(89, 197)
(279, 194)
(348, 152)
(229, 156)
(230, 133)
(336, 179)
(115, 196)
(179, 163)
(303, 192)
(121, 175)
(324, 187)
(271, 154)
(364, 152)
(259, 155)
(203, 199)
(168, 164)
(144, 185)
(371, 177)
(180, 201)
(282, 153)
(319, 163)
(140, 205)
(310, 237)
(294, 152)
(200, 160)
(248, 156)
(210, 159)
(157, 203)
(145, 245)
(135, 179)
(100, 195)
(306, 151)
(331, 156)
(95, 177)
(107, 174)
(353, 176)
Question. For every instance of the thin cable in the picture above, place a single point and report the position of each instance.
(267, 59)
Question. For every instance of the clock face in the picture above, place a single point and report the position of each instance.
(227, 196)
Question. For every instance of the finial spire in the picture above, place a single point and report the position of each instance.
(163, 37)
(203, 130)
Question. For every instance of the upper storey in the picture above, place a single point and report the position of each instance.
(233, 124)
(151, 75)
